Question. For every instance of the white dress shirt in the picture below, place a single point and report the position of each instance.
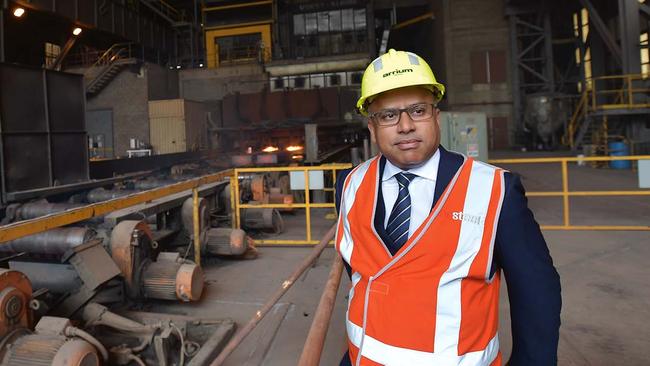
(421, 190)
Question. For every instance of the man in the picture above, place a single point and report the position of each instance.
(425, 233)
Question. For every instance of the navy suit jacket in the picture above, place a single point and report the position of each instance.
(521, 252)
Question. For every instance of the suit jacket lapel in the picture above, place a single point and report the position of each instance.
(449, 164)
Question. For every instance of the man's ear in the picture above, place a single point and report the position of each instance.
(371, 128)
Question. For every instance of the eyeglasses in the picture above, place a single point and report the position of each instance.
(391, 116)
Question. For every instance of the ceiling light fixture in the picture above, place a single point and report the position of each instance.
(18, 12)
(77, 31)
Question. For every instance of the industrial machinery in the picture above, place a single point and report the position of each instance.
(54, 341)
(545, 115)
(465, 132)
(96, 335)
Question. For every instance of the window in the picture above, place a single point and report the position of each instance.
(299, 24)
(488, 67)
(52, 52)
(239, 47)
(645, 55)
(299, 82)
(330, 32)
(356, 78)
(581, 31)
(278, 83)
(335, 79)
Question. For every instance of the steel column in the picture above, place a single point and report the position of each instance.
(548, 52)
(2, 30)
(514, 73)
(628, 20)
(601, 28)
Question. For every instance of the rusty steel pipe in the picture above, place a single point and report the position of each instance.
(313, 349)
(243, 332)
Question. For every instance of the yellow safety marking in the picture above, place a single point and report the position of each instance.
(196, 223)
(565, 193)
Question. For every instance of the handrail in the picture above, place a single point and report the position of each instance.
(596, 97)
(626, 93)
(105, 58)
(565, 193)
(307, 205)
(578, 113)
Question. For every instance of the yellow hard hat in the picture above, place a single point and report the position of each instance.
(393, 70)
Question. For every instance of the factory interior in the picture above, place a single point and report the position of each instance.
(194, 222)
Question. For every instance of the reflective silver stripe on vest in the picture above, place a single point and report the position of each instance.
(449, 307)
(388, 355)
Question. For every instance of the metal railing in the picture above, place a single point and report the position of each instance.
(565, 193)
(619, 92)
(606, 93)
(115, 52)
(307, 205)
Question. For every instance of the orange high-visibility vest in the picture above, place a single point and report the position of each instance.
(433, 302)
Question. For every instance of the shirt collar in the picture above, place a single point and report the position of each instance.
(428, 170)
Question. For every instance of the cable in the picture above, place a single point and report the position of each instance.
(73, 331)
(180, 334)
(194, 348)
(136, 359)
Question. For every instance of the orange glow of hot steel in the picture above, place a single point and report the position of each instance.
(294, 148)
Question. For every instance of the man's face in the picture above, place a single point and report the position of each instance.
(409, 143)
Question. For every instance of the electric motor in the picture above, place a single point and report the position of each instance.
(46, 350)
(172, 279)
(226, 241)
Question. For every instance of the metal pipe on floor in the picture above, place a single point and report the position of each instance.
(313, 349)
(243, 332)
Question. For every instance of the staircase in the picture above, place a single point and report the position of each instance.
(107, 67)
(617, 95)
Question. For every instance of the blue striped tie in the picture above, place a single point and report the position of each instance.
(400, 217)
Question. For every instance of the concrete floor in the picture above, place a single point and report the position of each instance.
(606, 294)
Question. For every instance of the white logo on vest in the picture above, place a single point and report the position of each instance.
(472, 219)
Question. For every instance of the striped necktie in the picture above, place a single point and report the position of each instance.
(400, 217)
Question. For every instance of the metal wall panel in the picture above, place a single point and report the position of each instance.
(42, 128)
(26, 162)
(65, 96)
(86, 11)
(196, 132)
(465, 132)
(323, 104)
(22, 97)
(119, 19)
(105, 16)
(167, 135)
(66, 8)
(166, 108)
(177, 125)
(131, 26)
(69, 158)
